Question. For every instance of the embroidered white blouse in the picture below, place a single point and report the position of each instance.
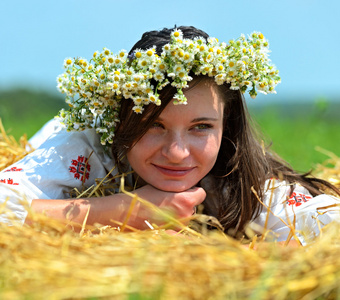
(62, 160)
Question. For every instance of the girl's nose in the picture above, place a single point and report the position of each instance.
(175, 148)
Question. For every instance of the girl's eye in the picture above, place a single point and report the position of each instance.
(157, 125)
(202, 126)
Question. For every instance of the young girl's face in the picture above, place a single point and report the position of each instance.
(182, 145)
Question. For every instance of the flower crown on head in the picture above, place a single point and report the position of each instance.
(107, 79)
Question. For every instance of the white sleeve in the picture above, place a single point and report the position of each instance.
(300, 210)
(52, 126)
(66, 160)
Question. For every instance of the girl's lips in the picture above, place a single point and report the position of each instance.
(174, 171)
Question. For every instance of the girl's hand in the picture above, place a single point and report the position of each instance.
(180, 203)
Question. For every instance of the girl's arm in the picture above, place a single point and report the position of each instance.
(106, 210)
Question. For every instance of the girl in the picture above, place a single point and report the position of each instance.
(172, 110)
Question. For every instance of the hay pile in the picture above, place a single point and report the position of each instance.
(11, 150)
(48, 261)
(330, 168)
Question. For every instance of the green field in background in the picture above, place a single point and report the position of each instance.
(297, 130)
(294, 130)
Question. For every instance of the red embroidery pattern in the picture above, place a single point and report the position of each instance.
(9, 181)
(298, 198)
(80, 168)
(13, 169)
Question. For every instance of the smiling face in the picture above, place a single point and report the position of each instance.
(181, 147)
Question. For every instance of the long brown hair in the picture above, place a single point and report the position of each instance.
(242, 162)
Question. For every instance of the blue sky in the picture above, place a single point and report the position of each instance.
(37, 35)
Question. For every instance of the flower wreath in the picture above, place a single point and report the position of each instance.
(95, 88)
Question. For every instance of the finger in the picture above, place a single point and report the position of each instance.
(200, 194)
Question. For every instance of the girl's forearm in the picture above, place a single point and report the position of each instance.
(102, 210)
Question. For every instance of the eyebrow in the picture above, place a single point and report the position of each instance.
(198, 119)
(204, 119)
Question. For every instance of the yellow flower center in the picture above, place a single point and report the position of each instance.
(261, 36)
(149, 53)
(102, 76)
(115, 86)
(176, 34)
(138, 55)
(231, 64)
(110, 60)
(121, 54)
(107, 52)
(220, 68)
(69, 61)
